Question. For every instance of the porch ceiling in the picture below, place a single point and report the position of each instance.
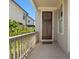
(46, 3)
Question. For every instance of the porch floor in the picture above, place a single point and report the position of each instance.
(47, 51)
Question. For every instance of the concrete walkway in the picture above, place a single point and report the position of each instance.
(47, 51)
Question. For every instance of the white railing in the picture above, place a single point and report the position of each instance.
(21, 45)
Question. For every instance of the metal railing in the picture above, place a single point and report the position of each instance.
(21, 45)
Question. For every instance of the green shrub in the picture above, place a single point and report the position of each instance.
(16, 28)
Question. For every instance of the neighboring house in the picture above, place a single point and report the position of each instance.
(30, 21)
(17, 13)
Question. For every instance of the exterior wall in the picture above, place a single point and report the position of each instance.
(30, 21)
(55, 25)
(16, 13)
(63, 39)
(69, 26)
(38, 23)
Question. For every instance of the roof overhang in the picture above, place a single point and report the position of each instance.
(46, 3)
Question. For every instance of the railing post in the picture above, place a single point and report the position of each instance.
(20, 48)
(14, 49)
(17, 48)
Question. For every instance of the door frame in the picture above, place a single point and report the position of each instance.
(50, 23)
(52, 26)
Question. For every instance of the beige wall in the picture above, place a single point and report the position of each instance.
(62, 39)
(38, 22)
(55, 25)
(16, 13)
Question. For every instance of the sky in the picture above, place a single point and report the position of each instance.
(27, 6)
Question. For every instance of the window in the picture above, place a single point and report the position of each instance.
(61, 20)
(23, 16)
(61, 25)
(28, 21)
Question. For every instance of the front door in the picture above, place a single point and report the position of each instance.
(46, 25)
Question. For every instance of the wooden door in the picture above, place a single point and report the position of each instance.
(46, 25)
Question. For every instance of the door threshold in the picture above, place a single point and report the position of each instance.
(46, 40)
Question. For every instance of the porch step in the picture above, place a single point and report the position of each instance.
(47, 40)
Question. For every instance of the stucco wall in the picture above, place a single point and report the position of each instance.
(38, 22)
(16, 13)
(63, 39)
(55, 25)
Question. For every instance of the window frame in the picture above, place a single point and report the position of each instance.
(61, 19)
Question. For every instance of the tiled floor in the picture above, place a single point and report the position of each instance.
(47, 51)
